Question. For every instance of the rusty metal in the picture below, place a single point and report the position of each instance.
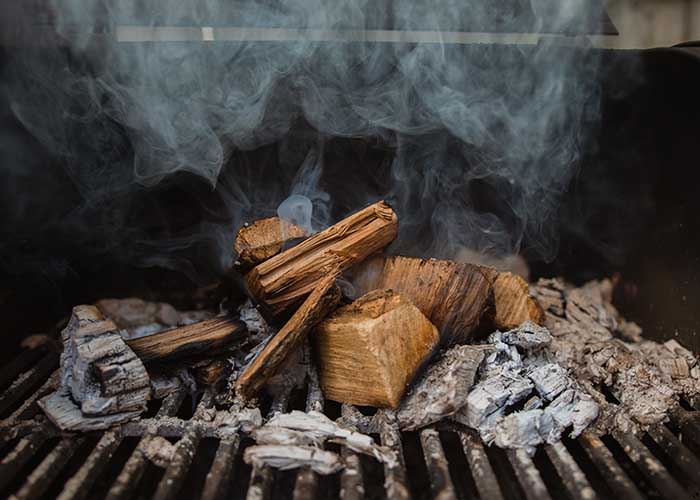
(35, 456)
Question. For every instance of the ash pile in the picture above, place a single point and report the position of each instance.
(425, 340)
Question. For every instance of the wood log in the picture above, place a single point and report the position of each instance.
(263, 239)
(205, 338)
(369, 350)
(456, 297)
(513, 303)
(282, 281)
(317, 305)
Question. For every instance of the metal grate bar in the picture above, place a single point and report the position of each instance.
(394, 474)
(528, 475)
(27, 408)
(221, 469)
(131, 474)
(306, 484)
(676, 450)
(614, 475)
(78, 486)
(650, 466)
(26, 381)
(482, 471)
(572, 476)
(19, 364)
(436, 462)
(41, 478)
(351, 482)
(185, 450)
(20, 455)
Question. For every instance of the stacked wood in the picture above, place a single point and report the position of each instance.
(263, 239)
(205, 338)
(282, 282)
(369, 350)
(317, 305)
(100, 374)
(513, 303)
(456, 297)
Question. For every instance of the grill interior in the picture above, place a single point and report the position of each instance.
(445, 461)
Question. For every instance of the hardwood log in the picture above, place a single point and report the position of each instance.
(317, 305)
(282, 281)
(209, 337)
(369, 350)
(456, 297)
(263, 239)
(513, 303)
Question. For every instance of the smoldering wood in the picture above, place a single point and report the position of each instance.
(283, 281)
(293, 457)
(527, 335)
(264, 238)
(99, 370)
(369, 350)
(456, 297)
(443, 389)
(322, 300)
(205, 338)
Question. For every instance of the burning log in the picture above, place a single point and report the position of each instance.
(209, 337)
(513, 302)
(443, 390)
(316, 306)
(263, 239)
(285, 279)
(456, 297)
(369, 350)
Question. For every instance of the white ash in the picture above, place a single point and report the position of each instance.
(550, 380)
(158, 450)
(527, 336)
(293, 457)
(238, 419)
(316, 428)
(600, 348)
(254, 322)
(443, 389)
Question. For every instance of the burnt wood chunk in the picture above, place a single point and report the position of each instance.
(513, 302)
(369, 350)
(283, 281)
(456, 297)
(66, 414)
(318, 304)
(263, 239)
(205, 338)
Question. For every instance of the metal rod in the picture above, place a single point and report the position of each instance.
(351, 481)
(221, 469)
(306, 484)
(27, 409)
(615, 477)
(394, 474)
(27, 381)
(650, 466)
(482, 471)
(42, 476)
(78, 486)
(571, 475)
(528, 475)
(436, 462)
(19, 364)
(681, 456)
(20, 455)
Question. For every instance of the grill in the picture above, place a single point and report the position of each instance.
(446, 461)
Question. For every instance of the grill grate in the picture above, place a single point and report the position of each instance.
(447, 461)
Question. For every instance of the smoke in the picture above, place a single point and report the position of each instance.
(482, 139)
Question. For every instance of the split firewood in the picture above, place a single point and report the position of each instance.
(285, 279)
(209, 337)
(443, 389)
(99, 371)
(456, 297)
(513, 303)
(317, 305)
(263, 239)
(369, 350)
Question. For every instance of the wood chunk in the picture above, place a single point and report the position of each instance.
(318, 304)
(444, 388)
(369, 350)
(285, 279)
(99, 369)
(456, 297)
(263, 239)
(209, 372)
(513, 302)
(209, 337)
